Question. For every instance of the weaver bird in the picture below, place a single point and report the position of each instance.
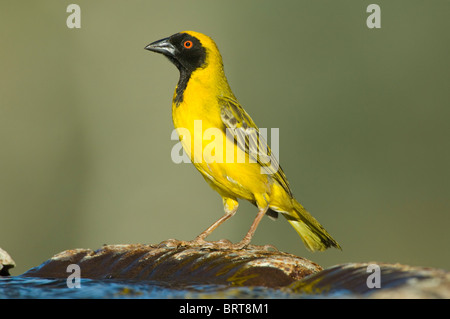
(203, 94)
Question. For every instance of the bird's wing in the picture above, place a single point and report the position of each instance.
(250, 141)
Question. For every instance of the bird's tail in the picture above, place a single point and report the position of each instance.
(313, 235)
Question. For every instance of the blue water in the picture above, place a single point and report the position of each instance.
(26, 287)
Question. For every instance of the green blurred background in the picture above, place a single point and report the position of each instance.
(85, 124)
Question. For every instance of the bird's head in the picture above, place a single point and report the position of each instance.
(188, 50)
(196, 56)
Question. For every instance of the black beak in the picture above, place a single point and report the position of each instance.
(162, 46)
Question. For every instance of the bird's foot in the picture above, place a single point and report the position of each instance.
(171, 243)
(222, 244)
(196, 243)
(202, 243)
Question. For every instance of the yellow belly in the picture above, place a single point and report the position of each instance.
(226, 167)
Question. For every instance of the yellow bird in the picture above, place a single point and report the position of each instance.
(240, 165)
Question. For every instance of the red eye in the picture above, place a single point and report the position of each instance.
(187, 44)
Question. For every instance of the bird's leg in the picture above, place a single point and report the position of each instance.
(248, 237)
(200, 239)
